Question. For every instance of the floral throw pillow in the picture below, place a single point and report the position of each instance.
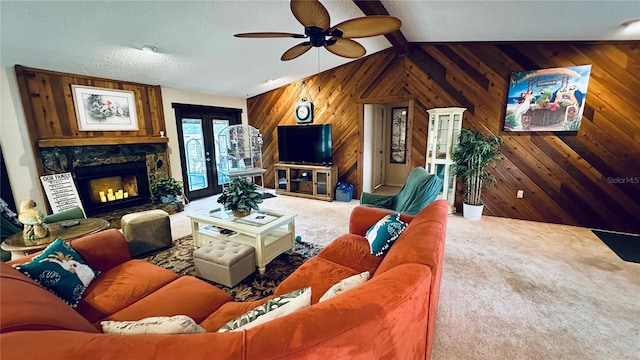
(61, 270)
(383, 233)
(275, 308)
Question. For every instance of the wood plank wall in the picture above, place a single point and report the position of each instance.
(50, 113)
(590, 178)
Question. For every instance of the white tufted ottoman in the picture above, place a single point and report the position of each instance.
(224, 262)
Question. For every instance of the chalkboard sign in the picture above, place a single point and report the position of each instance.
(61, 192)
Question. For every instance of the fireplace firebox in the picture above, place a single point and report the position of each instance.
(111, 187)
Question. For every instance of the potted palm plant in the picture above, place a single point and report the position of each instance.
(240, 196)
(472, 155)
(165, 190)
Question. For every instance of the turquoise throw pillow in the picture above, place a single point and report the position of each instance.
(61, 270)
(383, 233)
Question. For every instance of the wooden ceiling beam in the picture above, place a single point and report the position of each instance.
(375, 7)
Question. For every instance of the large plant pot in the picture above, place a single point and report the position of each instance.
(472, 212)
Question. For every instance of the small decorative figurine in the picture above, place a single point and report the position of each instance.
(32, 218)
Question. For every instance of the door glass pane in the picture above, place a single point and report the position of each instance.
(322, 188)
(218, 125)
(441, 137)
(194, 153)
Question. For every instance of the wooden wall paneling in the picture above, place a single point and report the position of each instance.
(51, 111)
(67, 109)
(23, 78)
(564, 175)
(512, 180)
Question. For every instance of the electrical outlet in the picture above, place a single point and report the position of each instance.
(520, 194)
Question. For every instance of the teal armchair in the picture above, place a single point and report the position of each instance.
(69, 214)
(420, 189)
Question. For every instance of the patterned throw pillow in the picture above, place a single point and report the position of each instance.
(275, 308)
(61, 270)
(179, 324)
(344, 285)
(383, 233)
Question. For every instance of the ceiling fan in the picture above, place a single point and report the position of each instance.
(337, 39)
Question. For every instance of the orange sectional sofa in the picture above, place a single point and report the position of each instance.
(391, 316)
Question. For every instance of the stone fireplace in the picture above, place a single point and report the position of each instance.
(109, 178)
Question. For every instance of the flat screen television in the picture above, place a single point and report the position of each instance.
(305, 144)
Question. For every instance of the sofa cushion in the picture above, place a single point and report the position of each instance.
(112, 251)
(185, 296)
(28, 306)
(316, 272)
(61, 270)
(275, 308)
(384, 232)
(345, 285)
(120, 287)
(352, 251)
(229, 311)
(179, 324)
(421, 243)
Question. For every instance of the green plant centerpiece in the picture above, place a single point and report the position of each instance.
(240, 196)
(165, 190)
(472, 155)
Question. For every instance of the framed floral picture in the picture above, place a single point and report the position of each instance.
(100, 109)
(547, 99)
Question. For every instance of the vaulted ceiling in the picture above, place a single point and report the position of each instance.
(197, 50)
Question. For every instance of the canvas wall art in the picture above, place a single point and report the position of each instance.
(547, 99)
(101, 109)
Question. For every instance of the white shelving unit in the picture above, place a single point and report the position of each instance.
(444, 129)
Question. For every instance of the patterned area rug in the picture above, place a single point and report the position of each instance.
(179, 259)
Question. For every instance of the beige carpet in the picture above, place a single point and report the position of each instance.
(511, 289)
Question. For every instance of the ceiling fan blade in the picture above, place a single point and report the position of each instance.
(366, 26)
(270, 35)
(311, 13)
(345, 48)
(296, 51)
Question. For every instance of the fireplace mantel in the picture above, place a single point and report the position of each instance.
(45, 143)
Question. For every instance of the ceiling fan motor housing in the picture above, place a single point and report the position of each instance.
(317, 36)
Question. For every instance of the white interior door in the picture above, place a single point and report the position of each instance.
(378, 144)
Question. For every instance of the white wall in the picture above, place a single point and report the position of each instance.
(170, 96)
(15, 141)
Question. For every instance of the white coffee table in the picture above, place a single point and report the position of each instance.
(269, 239)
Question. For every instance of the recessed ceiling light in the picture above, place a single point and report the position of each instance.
(149, 48)
(631, 27)
(631, 22)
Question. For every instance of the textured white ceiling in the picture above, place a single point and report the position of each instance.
(197, 50)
